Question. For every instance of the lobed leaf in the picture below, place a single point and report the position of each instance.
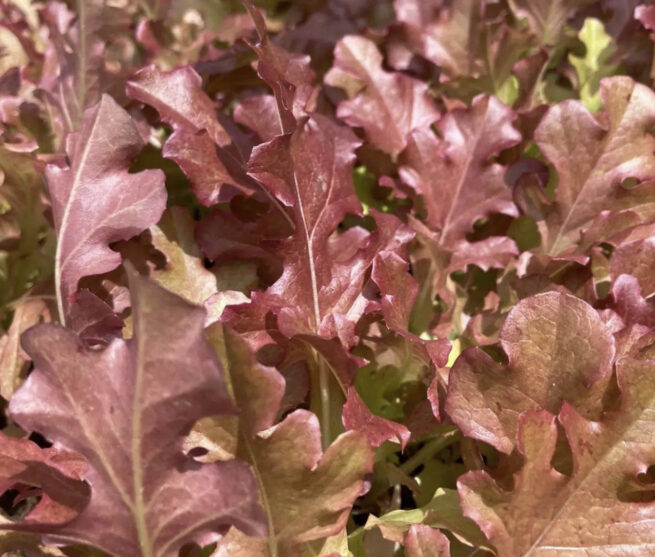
(306, 494)
(387, 105)
(593, 157)
(125, 408)
(558, 350)
(95, 201)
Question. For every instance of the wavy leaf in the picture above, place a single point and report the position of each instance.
(96, 201)
(125, 409)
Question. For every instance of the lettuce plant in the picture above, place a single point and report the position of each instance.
(345, 278)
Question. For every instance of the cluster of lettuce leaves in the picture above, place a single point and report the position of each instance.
(327, 278)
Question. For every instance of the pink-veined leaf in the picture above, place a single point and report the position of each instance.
(310, 171)
(96, 201)
(125, 408)
(455, 175)
(593, 156)
(604, 507)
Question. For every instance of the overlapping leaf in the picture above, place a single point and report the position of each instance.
(354, 299)
(387, 105)
(56, 475)
(603, 507)
(200, 145)
(95, 201)
(310, 171)
(306, 494)
(595, 158)
(558, 349)
(125, 409)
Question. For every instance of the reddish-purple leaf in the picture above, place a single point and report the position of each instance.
(389, 106)
(397, 287)
(456, 175)
(56, 473)
(558, 350)
(288, 75)
(306, 494)
(594, 156)
(125, 408)
(96, 201)
(260, 114)
(179, 99)
(447, 37)
(357, 416)
(310, 171)
(636, 259)
(200, 145)
(93, 320)
(630, 303)
(603, 507)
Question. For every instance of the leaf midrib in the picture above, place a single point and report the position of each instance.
(611, 448)
(601, 153)
(77, 179)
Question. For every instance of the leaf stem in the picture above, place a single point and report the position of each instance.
(471, 454)
(324, 390)
(431, 448)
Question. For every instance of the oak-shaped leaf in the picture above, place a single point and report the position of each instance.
(95, 200)
(307, 494)
(558, 349)
(596, 157)
(200, 144)
(455, 175)
(310, 171)
(460, 182)
(603, 507)
(126, 409)
(387, 105)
